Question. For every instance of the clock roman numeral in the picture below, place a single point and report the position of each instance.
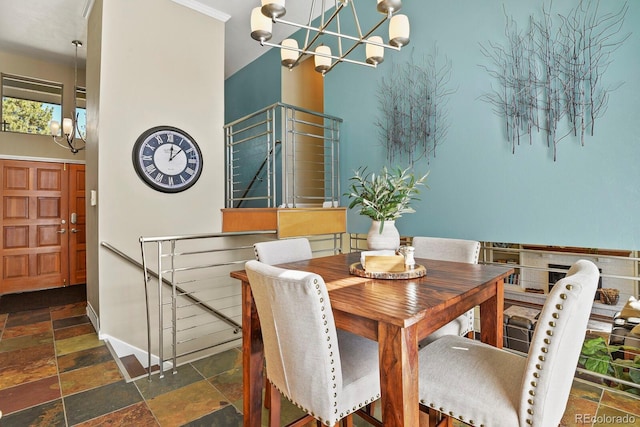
(159, 138)
(169, 137)
(159, 177)
(150, 169)
(146, 158)
(190, 171)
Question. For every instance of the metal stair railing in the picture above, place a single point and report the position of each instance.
(197, 269)
(153, 274)
(306, 169)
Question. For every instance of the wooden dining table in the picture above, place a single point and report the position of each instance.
(395, 313)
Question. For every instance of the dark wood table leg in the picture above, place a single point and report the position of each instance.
(252, 360)
(491, 317)
(398, 348)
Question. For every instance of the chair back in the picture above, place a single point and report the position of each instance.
(280, 251)
(446, 249)
(299, 335)
(555, 346)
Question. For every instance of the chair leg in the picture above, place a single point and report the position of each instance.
(370, 408)
(446, 421)
(267, 393)
(303, 422)
(432, 418)
(425, 419)
(274, 405)
(347, 421)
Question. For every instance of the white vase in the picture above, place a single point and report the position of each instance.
(389, 239)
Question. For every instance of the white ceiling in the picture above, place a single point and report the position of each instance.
(45, 28)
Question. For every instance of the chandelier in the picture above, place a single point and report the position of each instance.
(272, 11)
(70, 130)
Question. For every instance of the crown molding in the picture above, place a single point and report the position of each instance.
(204, 9)
(88, 6)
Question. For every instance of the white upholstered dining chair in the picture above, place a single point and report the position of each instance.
(274, 252)
(503, 389)
(306, 359)
(446, 249)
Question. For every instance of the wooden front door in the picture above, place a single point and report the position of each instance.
(35, 240)
(77, 226)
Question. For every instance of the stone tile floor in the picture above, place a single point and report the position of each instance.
(54, 371)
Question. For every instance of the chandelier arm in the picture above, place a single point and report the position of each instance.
(309, 21)
(72, 147)
(77, 128)
(357, 21)
(319, 30)
(56, 139)
(307, 52)
(340, 32)
(359, 42)
(333, 33)
(375, 27)
(67, 145)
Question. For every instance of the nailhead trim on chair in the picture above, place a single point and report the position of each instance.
(333, 377)
(547, 341)
(536, 374)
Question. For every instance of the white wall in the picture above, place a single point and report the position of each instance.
(159, 64)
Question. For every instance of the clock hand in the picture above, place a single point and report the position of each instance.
(171, 155)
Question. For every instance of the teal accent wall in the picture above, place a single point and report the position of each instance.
(254, 87)
(478, 189)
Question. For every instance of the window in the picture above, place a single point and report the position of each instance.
(81, 111)
(29, 105)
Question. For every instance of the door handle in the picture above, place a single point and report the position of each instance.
(74, 230)
(62, 231)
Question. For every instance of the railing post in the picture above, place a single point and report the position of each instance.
(160, 316)
(174, 304)
(145, 276)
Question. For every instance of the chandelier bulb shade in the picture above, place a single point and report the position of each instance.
(399, 30)
(386, 6)
(273, 8)
(70, 129)
(289, 56)
(323, 63)
(375, 53)
(261, 26)
(67, 126)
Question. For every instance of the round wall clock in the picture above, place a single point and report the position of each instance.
(167, 159)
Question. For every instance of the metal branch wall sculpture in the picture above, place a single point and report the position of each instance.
(548, 75)
(414, 117)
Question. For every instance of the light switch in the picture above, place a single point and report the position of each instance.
(94, 198)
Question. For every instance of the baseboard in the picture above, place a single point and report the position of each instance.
(93, 318)
(122, 348)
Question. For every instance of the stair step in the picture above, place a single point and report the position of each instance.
(134, 368)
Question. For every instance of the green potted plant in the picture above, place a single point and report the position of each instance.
(598, 356)
(384, 197)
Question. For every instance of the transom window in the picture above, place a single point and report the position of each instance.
(29, 105)
(81, 111)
